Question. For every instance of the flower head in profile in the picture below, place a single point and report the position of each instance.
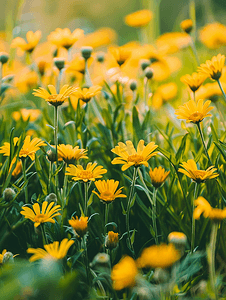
(158, 176)
(53, 97)
(186, 25)
(194, 81)
(46, 214)
(194, 112)
(85, 94)
(203, 207)
(128, 156)
(64, 37)
(2, 255)
(124, 273)
(107, 190)
(70, 154)
(53, 251)
(5, 149)
(158, 256)
(79, 225)
(91, 173)
(190, 169)
(18, 168)
(122, 53)
(139, 18)
(30, 147)
(32, 41)
(111, 240)
(213, 35)
(213, 68)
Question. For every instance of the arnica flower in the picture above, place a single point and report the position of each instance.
(203, 207)
(194, 81)
(30, 147)
(111, 240)
(32, 41)
(213, 68)
(52, 251)
(158, 256)
(38, 216)
(25, 114)
(18, 168)
(194, 112)
(139, 18)
(90, 173)
(122, 53)
(64, 37)
(172, 42)
(190, 169)
(107, 190)
(53, 97)
(158, 176)
(85, 94)
(1, 255)
(213, 35)
(124, 273)
(186, 25)
(80, 225)
(128, 156)
(210, 91)
(70, 154)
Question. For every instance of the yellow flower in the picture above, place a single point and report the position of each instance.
(31, 114)
(172, 42)
(139, 18)
(53, 251)
(213, 68)
(64, 37)
(111, 240)
(203, 207)
(18, 168)
(32, 41)
(190, 169)
(186, 25)
(177, 237)
(194, 112)
(90, 173)
(80, 225)
(46, 215)
(213, 35)
(128, 156)
(5, 149)
(194, 81)
(107, 190)
(52, 97)
(164, 93)
(30, 147)
(123, 53)
(85, 94)
(124, 273)
(158, 176)
(210, 91)
(158, 256)
(26, 80)
(69, 154)
(1, 255)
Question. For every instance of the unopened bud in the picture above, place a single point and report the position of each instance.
(148, 73)
(111, 240)
(179, 240)
(59, 62)
(8, 258)
(101, 260)
(86, 52)
(100, 57)
(8, 194)
(51, 155)
(144, 63)
(51, 198)
(133, 84)
(4, 57)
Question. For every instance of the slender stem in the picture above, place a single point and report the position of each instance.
(105, 222)
(56, 142)
(154, 215)
(65, 198)
(222, 90)
(212, 249)
(86, 186)
(146, 92)
(203, 143)
(86, 257)
(193, 219)
(25, 179)
(194, 51)
(44, 237)
(50, 176)
(194, 96)
(1, 65)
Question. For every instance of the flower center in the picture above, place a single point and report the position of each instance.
(85, 174)
(196, 117)
(107, 196)
(137, 159)
(52, 97)
(40, 218)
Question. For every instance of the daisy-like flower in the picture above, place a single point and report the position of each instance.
(213, 35)
(186, 25)
(158, 256)
(53, 97)
(32, 41)
(194, 81)
(85, 94)
(122, 53)
(64, 37)
(124, 273)
(90, 173)
(213, 68)
(5, 149)
(194, 112)
(52, 251)
(158, 176)
(38, 216)
(31, 114)
(128, 156)
(1, 255)
(30, 147)
(139, 18)
(107, 190)
(80, 225)
(190, 169)
(203, 207)
(111, 240)
(69, 154)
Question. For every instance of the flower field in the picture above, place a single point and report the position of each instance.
(112, 163)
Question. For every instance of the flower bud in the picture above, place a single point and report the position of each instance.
(51, 198)
(133, 85)
(59, 62)
(86, 52)
(161, 275)
(148, 73)
(111, 240)
(101, 260)
(144, 63)
(179, 240)
(8, 194)
(186, 25)
(4, 57)
(51, 155)
(8, 258)
(100, 57)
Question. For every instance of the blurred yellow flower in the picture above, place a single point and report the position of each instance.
(53, 251)
(1, 255)
(31, 114)
(128, 156)
(186, 25)
(210, 91)
(124, 273)
(32, 41)
(203, 207)
(158, 256)
(111, 240)
(213, 35)
(69, 154)
(25, 80)
(194, 112)
(107, 190)
(177, 238)
(5, 149)
(18, 168)
(122, 53)
(164, 93)
(90, 173)
(85, 94)
(158, 176)
(80, 225)
(190, 169)
(139, 18)
(47, 213)
(194, 81)
(30, 147)
(172, 42)
(64, 37)
(213, 68)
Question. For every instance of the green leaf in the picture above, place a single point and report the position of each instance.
(181, 149)
(133, 236)
(41, 175)
(137, 131)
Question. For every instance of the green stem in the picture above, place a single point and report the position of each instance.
(193, 219)
(212, 249)
(25, 179)
(222, 90)
(50, 176)
(194, 96)
(64, 197)
(86, 258)
(154, 215)
(56, 143)
(203, 143)
(194, 51)
(146, 92)
(105, 222)
(86, 187)
(44, 237)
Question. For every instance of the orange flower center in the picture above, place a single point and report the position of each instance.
(137, 159)
(40, 218)
(107, 196)
(196, 117)
(85, 174)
